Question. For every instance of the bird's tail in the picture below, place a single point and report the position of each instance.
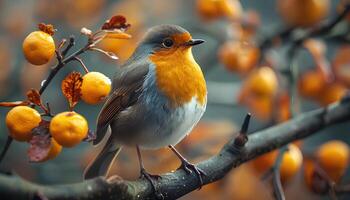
(104, 160)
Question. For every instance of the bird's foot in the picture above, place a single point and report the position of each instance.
(151, 178)
(189, 168)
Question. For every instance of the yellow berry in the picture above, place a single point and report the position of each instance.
(303, 12)
(238, 57)
(38, 47)
(20, 121)
(290, 165)
(263, 81)
(55, 150)
(333, 157)
(68, 128)
(311, 83)
(213, 9)
(95, 87)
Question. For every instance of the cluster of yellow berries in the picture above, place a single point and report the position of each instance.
(66, 129)
(332, 157)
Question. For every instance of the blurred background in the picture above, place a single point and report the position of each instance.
(248, 22)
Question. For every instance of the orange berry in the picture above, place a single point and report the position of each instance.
(260, 106)
(331, 93)
(68, 128)
(231, 9)
(239, 57)
(263, 81)
(333, 157)
(38, 47)
(303, 12)
(95, 87)
(290, 165)
(264, 162)
(311, 84)
(20, 121)
(55, 149)
(213, 9)
(309, 170)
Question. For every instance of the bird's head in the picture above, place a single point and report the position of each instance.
(166, 40)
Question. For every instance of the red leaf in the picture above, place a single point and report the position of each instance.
(71, 88)
(34, 97)
(116, 22)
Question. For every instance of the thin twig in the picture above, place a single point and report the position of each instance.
(242, 138)
(6, 147)
(69, 46)
(82, 64)
(276, 175)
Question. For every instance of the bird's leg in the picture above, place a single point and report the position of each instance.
(189, 167)
(143, 171)
(146, 175)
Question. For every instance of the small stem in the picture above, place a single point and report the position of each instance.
(62, 43)
(242, 138)
(6, 147)
(69, 46)
(59, 66)
(82, 64)
(276, 175)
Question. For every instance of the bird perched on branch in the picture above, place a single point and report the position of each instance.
(157, 98)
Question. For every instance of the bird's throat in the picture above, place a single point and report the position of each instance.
(179, 77)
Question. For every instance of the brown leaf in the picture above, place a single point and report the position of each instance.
(42, 129)
(116, 22)
(40, 143)
(71, 88)
(39, 147)
(47, 28)
(33, 96)
(15, 103)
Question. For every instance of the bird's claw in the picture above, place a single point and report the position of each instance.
(151, 178)
(189, 168)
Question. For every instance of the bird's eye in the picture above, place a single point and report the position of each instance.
(167, 43)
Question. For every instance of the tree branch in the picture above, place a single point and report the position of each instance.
(176, 184)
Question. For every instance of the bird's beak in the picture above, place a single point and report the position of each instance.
(194, 42)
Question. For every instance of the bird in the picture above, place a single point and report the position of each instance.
(158, 96)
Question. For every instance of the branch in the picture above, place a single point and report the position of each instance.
(287, 35)
(177, 184)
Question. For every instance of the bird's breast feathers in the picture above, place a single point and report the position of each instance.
(179, 77)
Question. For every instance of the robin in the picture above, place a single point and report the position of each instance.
(158, 96)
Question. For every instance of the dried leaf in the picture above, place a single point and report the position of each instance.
(116, 22)
(40, 143)
(91, 136)
(42, 129)
(109, 54)
(33, 96)
(71, 88)
(15, 103)
(47, 28)
(39, 147)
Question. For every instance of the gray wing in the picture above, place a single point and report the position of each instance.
(127, 87)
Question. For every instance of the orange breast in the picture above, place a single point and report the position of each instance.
(179, 76)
